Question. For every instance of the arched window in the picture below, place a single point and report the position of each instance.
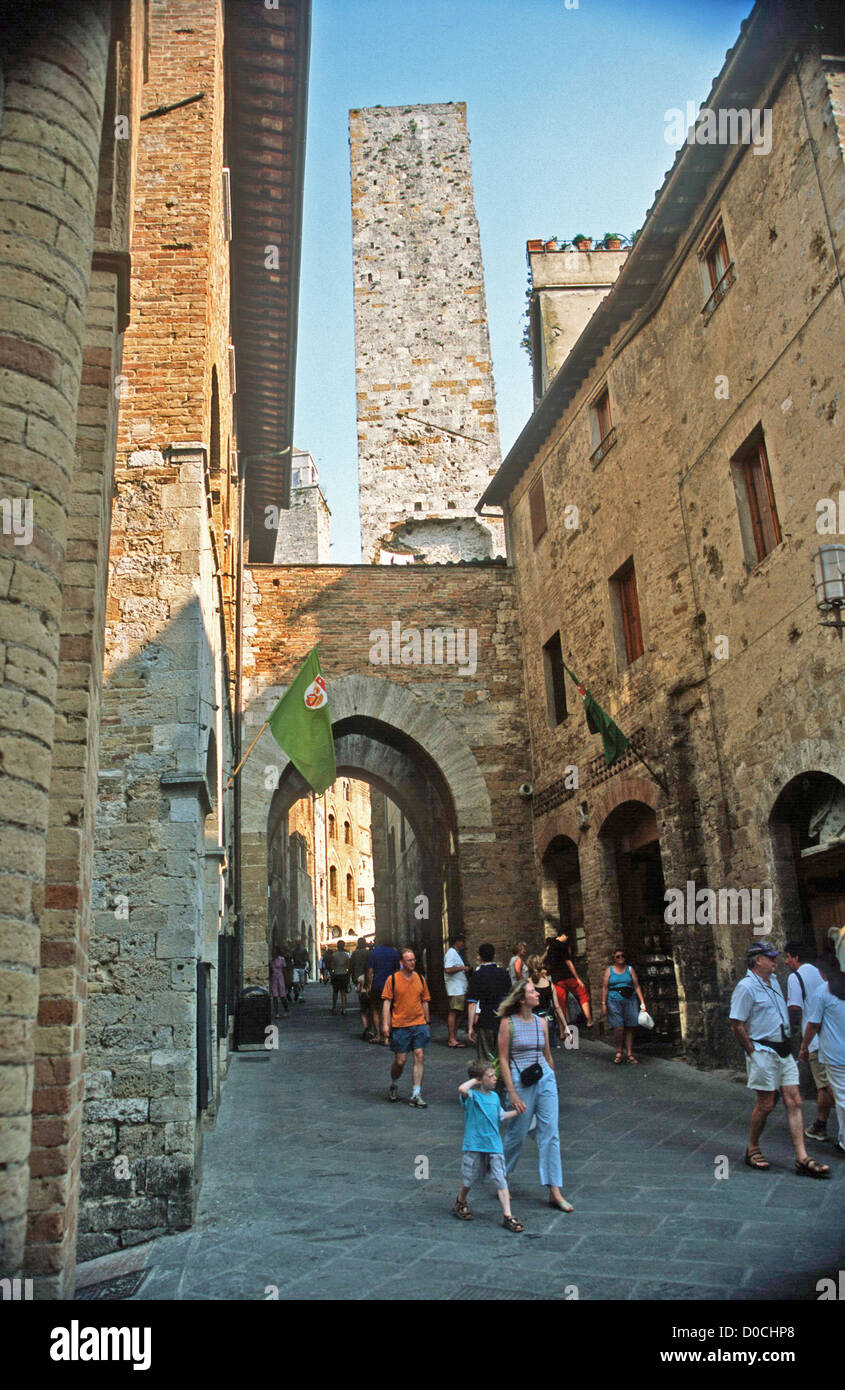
(333, 880)
(350, 888)
(346, 791)
(347, 832)
(214, 441)
(332, 827)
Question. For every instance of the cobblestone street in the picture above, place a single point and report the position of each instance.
(309, 1187)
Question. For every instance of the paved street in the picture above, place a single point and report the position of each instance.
(309, 1186)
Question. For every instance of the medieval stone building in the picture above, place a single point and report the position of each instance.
(662, 509)
(152, 161)
(428, 437)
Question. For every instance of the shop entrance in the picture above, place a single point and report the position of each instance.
(808, 825)
(632, 830)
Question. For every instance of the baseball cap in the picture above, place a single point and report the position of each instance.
(761, 948)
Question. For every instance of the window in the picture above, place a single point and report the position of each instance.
(333, 880)
(360, 895)
(350, 888)
(537, 507)
(758, 517)
(602, 409)
(332, 827)
(717, 270)
(555, 687)
(347, 833)
(602, 431)
(626, 614)
(346, 791)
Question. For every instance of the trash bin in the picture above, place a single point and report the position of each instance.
(253, 1016)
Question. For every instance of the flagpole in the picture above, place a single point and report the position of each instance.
(659, 780)
(246, 755)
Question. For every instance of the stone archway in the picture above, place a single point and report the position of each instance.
(398, 742)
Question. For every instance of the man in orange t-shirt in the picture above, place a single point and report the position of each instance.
(405, 1024)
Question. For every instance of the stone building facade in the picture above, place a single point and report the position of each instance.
(567, 285)
(428, 435)
(448, 745)
(116, 207)
(662, 507)
(303, 536)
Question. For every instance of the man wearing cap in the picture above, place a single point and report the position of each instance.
(760, 1023)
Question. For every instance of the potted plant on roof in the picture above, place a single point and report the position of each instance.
(612, 241)
(582, 243)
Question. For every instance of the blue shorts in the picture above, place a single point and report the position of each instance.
(407, 1039)
(622, 1013)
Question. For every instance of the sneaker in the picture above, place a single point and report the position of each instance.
(816, 1131)
(418, 1102)
(393, 1093)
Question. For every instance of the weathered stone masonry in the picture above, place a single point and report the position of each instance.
(428, 437)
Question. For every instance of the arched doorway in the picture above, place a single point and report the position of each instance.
(807, 825)
(562, 905)
(631, 842)
(414, 842)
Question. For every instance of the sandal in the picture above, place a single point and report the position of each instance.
(617, 1059)
(456, 1044)
(510, 1223)
(812, 1169)
(755, 1159)
(562, 1205)
(633, 1060)
(462, 1211)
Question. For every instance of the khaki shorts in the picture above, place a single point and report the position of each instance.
(818, 1070)
(457, 1002)
(768, 1072)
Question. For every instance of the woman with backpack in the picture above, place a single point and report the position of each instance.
(527, 1071)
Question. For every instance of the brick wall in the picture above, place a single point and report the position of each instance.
(166, 727)
(472, 727)
(55, 63)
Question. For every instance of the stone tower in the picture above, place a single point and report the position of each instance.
(428, 436)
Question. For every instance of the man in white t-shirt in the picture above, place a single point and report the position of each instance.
(804, 980)
(455, 976)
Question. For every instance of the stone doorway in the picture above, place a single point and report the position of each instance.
(416, 878)
(632, 841)
(808, 830)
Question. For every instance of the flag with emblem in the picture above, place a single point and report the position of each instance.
(301, 725)
(599, 722)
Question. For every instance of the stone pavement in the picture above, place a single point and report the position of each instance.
(310, 1187)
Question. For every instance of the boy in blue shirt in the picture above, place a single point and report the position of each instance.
(483, 1153)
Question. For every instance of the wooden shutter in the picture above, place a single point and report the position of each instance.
(537, 506)
(630, 606)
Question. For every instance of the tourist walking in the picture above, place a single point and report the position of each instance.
(549, 1006)
(760, 1024)
(278, 988)
(340, 977)
(358, 974)
(804, 980)
(382, 961)
(300, 970)
(405, 1024)
(527, 1070)
(486, 990)
(825, 1015)
(618, 988)
(455, 971)
(516, 964)
(483, 1154)
(565, 978)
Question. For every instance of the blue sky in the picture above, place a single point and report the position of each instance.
(566, 114)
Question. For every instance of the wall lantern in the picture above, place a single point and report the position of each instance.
(829, 578)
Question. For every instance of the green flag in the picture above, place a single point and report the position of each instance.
(598, 722)
(302, 726)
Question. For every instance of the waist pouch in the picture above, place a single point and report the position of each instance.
(782, 1047)
(626, 991)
